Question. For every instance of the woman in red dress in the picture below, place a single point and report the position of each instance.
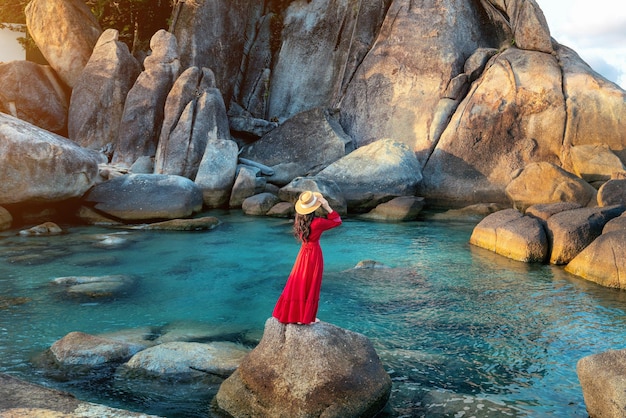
(300, 298)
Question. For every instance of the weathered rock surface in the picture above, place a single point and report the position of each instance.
(34, 93)
(143, 111)
(375, 173)
(136, 197)
(513, 235)
(330, 36)
(314, 370)
(185, 360)
(95, 287)
(195, 224)
(603, 261)
(46, 228)
(81, 349)
(5, 219)
(211, 34)
(216, 174)
(99, 93)
(259, 204)
(595, 162)
(248, 183)
(602, 379)
(194, 114)
(615, 224)
(544, 182)
(65, 32)
(291, 155)
(571, 231)
(20, 399)
(37, 165)
(613, 192)
(404, 208)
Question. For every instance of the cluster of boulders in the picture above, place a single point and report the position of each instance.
(295, 370)
(232, 108)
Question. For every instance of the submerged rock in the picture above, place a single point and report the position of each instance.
(185, 360)
(95, 286)
(307, 370)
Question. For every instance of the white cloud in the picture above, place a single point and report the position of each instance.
(596, 30)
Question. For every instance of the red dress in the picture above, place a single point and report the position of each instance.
(301, 295)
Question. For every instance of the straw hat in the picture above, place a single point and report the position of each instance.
(308, 202)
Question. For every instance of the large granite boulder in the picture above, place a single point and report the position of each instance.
(65, 31)
(603, 261)
(135, 197)
(99, 94)
(595, 162)
(321, 35)
(511, 234)
(375, 173)
(613, 192)
(403, 208)
(34, 93)
(217, 171)
(211, 34)
(39, 166)
(569, 232)
(81, 349)
(182, 360)
(143, 111)
(307, 370)
(23, 399)
(302, 146)
(544, 182)
(194, 113)
(602, 380)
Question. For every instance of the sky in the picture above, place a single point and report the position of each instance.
(595, 29)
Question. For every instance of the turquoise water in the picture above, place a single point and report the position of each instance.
(461, 331)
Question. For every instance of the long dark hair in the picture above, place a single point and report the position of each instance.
(302, 226)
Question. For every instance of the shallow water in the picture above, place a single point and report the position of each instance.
(461, 331)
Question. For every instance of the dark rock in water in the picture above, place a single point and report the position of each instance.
(307, 370)
(22, 399)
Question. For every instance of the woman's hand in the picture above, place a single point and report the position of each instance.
(325, 204)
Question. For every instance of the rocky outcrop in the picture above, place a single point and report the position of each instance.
(65, 32)
(399, 209)
(571, 231)
(603, 260)
(34, 93)
(39, 166)
(513, 235)
(375, 173)
(314, 370)
(194, 113)
(23, 399)
(211, 34)
(543, 182)
(217, 171)
(99, 94)
(602, 380)
(613, 192)
(594, 163)
(95, 287)
(137, 197)
(184, 361)
(143, 111)
(561, 234)
(290, 154)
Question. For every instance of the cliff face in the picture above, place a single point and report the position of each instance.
(478, 89)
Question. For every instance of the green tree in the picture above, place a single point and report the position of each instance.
(135, 20)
